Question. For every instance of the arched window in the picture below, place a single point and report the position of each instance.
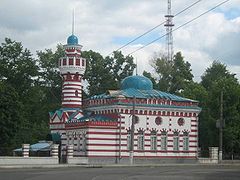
(76, 93)
(185, 141)
(164, 141)
(153, 139)
(69, 77)
(175, 141)
(140, 140)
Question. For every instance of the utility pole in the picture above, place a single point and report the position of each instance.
(132, 133)
(120, 136)
(221, 124)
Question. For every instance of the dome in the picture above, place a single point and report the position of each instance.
(137, 82)
(72, 40)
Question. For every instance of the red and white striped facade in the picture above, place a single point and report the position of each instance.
(72, 68)
(167, 125)
(109, 139)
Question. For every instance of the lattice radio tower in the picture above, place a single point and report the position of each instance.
(169, 38)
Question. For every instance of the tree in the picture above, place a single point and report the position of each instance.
(106, 73)
(163, 69)
(181, 74)
(17, 66)
(149, 76)
(50, 81)
(216, 79)
(48, 64)
(22, 107)
(119, 67)
(173, 76)
(215, 72)
(11, 117)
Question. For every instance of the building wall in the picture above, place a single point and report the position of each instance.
(104, 141)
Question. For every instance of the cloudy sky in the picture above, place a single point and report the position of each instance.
(105, 25)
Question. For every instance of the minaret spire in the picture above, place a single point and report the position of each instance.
(73, 18)
(136, 67)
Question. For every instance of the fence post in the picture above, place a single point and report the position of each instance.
(213, 153)
(54, 150)
(25, 150)
(70, 151)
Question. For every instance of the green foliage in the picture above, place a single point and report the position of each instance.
(17, 66)
(103, 74)
(30, 88)
(216, 79)
(176, 77)
(11, 116)
(173, 76)
(24, 101)
(181, 74)
(96, 74)
(149, 76)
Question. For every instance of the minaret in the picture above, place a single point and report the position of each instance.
(72, 68)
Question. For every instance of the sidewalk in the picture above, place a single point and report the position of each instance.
(227, 163)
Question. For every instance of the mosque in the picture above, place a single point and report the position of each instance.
(135, 120)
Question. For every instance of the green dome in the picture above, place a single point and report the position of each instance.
(137, 82)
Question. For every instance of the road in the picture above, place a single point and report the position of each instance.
(185, 172)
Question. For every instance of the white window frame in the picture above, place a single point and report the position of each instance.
(164, 141)
(153, 140)
(185, 142)
(176, 143)
(141, 140)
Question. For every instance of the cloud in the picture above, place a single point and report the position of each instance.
(105, 25)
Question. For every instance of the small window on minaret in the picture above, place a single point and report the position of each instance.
(83, 62)
(76, 93)
(70, 61)
(64, 62)
(77, 62)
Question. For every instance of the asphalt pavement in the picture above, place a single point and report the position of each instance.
(196, 172)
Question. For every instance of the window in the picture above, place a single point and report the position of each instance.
(175, 141)
(185, 141)
(70, 61)
(158, 120)
(164, 141)
(153, 140)
(181, 121)
(78, 142)
(128, 140)
(140, 140)
(77, 62)
(76, 93)
(64, 62)
(84, 143)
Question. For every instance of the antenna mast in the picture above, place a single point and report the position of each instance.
(169, 38)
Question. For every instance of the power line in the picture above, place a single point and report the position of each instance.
(180, 26)
(155, 27)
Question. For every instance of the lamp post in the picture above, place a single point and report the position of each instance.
(221, 128)
(132, 133)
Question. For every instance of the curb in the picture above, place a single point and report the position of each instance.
(107, 165)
